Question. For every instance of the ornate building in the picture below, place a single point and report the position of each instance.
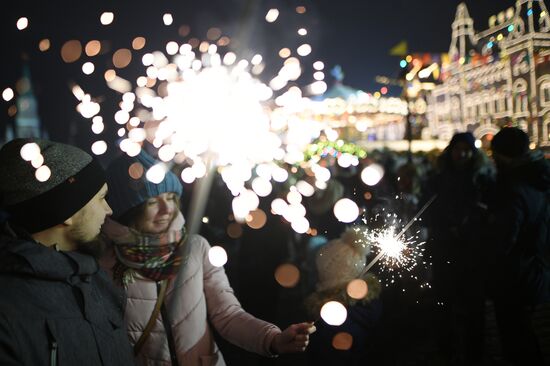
(497, 77)
(26, 122)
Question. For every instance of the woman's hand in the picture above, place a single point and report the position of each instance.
(295, 338)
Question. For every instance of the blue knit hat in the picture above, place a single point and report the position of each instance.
(126, 192)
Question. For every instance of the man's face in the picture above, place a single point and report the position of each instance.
(461, 153)
(88, 220)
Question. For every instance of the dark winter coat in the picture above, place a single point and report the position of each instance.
(57, 308)
(521, 230)
(360, 324)
(458, 215)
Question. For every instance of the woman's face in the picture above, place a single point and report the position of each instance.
(158, 213)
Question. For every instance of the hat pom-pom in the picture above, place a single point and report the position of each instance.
(355, 238)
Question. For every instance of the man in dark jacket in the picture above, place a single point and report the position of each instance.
(56, 306)
(463, 177)
(520, 217)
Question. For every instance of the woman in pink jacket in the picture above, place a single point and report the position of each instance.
(149, 248)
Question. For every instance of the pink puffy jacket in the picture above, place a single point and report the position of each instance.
(204, 294)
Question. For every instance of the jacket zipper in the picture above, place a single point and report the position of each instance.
(53, 354)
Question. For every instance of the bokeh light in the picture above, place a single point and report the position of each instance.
(334, 313)
(234, 230)
(262, 186)
(272, 15)
(213, 33)
(88, 68)
(22, 23)
(217, 256)
(135, 170)
(106, 18)
(346, 210)
(287, 275)
(37, 161)
(8, 94)
(256, 219)
(99, 147)
(29, 151)
(372, 174)
(284, 52)
(43, 173)
(122, 58)
(156, 173)
(342, 341)
(71, 51)
(138, 43)
(167, 19)
(357, 289)
(44, 45)
(304, 50)
(92, 48)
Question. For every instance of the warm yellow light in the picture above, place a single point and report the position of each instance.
(110, 75)
(284, 52)
(92, 48)
(44, 45)
(71, 51)
(213, 34)
(138, 43)
(122, 58)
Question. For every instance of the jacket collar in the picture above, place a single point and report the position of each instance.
(20, 254)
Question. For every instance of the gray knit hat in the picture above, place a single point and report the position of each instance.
(341, 260)
(126, 192)
(43, 183)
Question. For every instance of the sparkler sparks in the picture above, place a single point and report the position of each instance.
(205, 106)
(395, 252)
(398, 254)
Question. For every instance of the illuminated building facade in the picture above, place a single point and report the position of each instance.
(497, 77)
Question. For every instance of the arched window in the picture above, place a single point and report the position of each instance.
(545, 92)
(520, 96)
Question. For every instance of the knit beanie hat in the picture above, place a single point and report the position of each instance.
(129, 186)
(510, 142)
(341, 260)
(466, 137)
(43, 183)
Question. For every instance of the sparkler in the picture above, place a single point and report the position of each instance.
(201, 104)
(396, 251)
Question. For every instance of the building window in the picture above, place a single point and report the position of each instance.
(545, 93)
(521, 103)
(520, 99)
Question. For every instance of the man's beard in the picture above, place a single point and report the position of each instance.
(95, 247)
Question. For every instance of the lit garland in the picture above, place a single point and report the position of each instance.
(323, 148)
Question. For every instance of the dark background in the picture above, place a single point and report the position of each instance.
(354, 34)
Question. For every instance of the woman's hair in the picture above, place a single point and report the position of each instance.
(131, 217)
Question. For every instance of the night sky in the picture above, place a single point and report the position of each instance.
(354, 34)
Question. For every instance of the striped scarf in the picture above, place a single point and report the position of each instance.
(154, 256)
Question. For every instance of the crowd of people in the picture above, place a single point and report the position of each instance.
(96, 266)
